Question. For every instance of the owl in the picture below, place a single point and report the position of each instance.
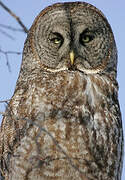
(63, 121)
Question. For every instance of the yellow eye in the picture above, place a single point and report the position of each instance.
(57, 41)
(85, 38)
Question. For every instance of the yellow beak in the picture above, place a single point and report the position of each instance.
(72, 56)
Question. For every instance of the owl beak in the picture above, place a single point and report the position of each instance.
(72, 56)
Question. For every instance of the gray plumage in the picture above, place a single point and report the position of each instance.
(64, 120)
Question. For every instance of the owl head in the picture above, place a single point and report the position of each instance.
(71, 37)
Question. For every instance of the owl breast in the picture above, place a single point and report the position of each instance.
(71, 132)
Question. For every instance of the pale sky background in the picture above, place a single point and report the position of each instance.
(27, 10)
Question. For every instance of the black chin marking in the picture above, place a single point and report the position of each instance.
(72, 68)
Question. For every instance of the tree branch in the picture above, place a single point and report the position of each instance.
(6, 53)
(10, 28)
(2, 113)
(5, 101)
(6, 34)
(25, 29)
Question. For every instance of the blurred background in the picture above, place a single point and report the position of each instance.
(12, 41)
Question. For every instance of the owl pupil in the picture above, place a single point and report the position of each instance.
(85, 38)
(57, 39)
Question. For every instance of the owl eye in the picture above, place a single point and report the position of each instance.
(57, 39)
(86, 37)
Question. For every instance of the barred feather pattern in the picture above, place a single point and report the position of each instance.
(71, 129)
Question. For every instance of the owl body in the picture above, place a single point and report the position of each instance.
(64, 120)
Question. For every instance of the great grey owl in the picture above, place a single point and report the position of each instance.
(63, 121)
